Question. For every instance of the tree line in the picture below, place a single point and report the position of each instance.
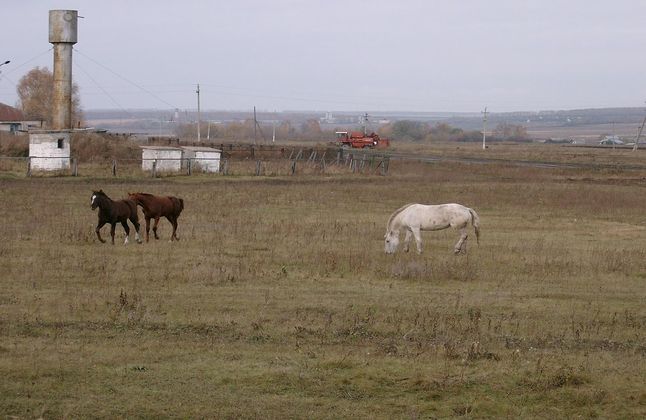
(35, 91)
(401, 130)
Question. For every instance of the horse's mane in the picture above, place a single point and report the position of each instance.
(143, 193)
(399, 210)
(100, 192)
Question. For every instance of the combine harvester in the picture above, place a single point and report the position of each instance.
(361, 140)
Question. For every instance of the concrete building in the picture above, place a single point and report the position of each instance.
(49, 152)
(205, 159)
(166, 158)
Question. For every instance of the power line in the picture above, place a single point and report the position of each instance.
(14, 68)
(125, 79)
(114, 101)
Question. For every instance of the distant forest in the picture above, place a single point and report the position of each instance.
(317, 126)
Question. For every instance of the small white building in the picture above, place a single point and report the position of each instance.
(49, 150)
(205, 159)
(167, 158)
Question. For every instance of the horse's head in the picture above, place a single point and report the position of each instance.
(136, 197)
(96, 197)
(391, 241)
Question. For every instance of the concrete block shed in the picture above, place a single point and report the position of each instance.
(206, 159)
(49, 150)
(169, 159)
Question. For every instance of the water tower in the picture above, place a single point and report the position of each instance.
(50, 149)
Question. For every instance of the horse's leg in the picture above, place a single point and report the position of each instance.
(124, 223)
(155, 227)
(173, 221)
(113, 226)
(418, 239)
(147, 228)
(175, 228)
(461, 245)
(136, 224)
(407, 240)
(98, 231)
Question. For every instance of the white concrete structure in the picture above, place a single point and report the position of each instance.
(205, 159)
(49, 150)
(168, 158)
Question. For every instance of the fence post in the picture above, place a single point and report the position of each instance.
(29, 166)
(384, 166)
(225, 167)
(189, 166)
(323, 163)
(114, 167)
(258, 167)
(155, 168)
(293, 168)
(75, 167)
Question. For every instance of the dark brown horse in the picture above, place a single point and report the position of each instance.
(155, 207)
(114, 212)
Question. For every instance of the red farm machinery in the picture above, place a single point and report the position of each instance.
(359, 140)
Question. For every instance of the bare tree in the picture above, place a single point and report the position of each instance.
(35, 91)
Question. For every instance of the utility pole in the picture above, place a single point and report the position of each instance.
(255, 124)
(199, 139)
(484, 129)
(365, 124)
(639, 134)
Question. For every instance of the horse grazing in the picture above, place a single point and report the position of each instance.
(114, 212)
(415, 218)
(155, 207)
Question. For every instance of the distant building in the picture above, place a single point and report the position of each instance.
(165, 158)
(12, 120)
(206, 159)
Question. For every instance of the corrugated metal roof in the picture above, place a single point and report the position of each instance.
(9, 113)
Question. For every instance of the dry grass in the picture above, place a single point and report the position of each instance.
(279, 301)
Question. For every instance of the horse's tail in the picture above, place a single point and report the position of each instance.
(475, 221)
(178, 204)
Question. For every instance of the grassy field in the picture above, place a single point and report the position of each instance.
(279, 302)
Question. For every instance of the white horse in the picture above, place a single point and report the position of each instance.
(415, 218)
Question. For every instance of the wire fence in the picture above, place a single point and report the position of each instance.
(297, 162)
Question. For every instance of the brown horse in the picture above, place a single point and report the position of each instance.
(114, 212)
(155, 207)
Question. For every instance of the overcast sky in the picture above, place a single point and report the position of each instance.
(330, 55)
